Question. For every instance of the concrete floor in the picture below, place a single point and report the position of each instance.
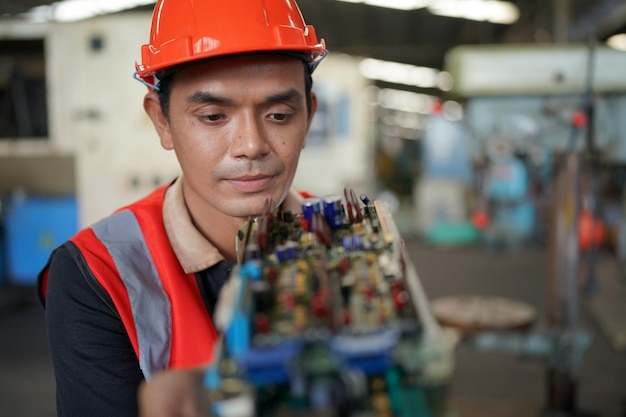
(485, 384)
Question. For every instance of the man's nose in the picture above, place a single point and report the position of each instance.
(250, 139)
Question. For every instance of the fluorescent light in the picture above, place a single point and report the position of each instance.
(494, 11)
(405, 74)
(617, 41)
(394, 4)
(406, 101)
(72, 10)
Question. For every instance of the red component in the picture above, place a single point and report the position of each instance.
(272, 272)
(262, 323)
(347, 317)
(398, 295)
(344, 264)
(305, 224)
(288, 300)
(319, 304)
(368, 292)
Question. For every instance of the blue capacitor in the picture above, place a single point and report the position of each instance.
(333, 210)
(290, 251)
(357, 242)
(310, 206)
(252, 270)
(281, 253)
(346, 242)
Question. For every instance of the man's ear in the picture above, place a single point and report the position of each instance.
(153, 108)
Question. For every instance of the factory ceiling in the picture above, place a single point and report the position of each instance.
(421, 38)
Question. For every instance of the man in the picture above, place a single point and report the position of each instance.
(133, 295)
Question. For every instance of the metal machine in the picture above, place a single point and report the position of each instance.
(555, 107)
(525, 97)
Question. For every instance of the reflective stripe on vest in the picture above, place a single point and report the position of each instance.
(150, 305)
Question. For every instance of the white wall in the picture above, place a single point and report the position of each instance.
(343, 157)
(96, 110)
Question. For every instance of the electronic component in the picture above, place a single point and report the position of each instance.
(322, 318)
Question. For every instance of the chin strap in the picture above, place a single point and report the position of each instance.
(144, 82)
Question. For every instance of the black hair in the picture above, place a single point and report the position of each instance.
(165, 87)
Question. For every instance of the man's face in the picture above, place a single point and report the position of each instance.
(237, 126)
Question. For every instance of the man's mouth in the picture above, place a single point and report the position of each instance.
(251, 183)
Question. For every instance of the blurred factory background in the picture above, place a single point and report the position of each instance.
(496, 130)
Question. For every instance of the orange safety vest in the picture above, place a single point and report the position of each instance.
(160, 305)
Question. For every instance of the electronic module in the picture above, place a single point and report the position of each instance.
(325, 317)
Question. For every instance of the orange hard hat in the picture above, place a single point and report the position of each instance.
(189, 30)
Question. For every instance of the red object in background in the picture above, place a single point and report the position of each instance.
(579, 119)
(480, 220)
(590, 231)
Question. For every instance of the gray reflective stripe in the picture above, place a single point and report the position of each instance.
(150, 305)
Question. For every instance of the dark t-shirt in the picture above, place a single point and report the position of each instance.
(97, 371)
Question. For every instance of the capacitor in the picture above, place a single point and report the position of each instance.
(281, 253)
(357, 242)
(290, 251)
(318, 303)
(261, 322)
(310, 206)
(346, 242)
(333, 210)
(252, 251)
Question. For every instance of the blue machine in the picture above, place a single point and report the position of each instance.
(511, 211)
(441, 213)
(34, 226)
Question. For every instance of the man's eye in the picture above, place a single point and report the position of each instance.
(281, 117)
(212, 117)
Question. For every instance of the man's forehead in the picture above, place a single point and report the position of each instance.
(288, 61)
(228, 77)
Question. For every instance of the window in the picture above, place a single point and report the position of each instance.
(23, 104)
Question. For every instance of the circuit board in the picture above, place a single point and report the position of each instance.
(327, 320)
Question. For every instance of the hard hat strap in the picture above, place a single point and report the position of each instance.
(151, 86)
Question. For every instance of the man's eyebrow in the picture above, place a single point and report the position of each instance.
(202, 97)
(289, 95)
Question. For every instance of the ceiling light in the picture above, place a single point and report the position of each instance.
(494, 11)
(405, 74)
(406, 101)
(394, 4)
(617, 41)
(72, 10)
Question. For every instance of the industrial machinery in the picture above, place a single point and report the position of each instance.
(559, 109)
(329, 319)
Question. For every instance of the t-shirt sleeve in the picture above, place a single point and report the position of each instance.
(96, 369)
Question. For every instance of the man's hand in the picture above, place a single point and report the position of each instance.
(173, 393)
